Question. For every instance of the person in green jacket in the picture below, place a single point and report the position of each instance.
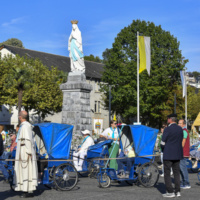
(112, 133)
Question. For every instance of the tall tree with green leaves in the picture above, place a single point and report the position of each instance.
(121, 72)
(13, 42)
(28, 83)
(18, 76)
(93, 58)
(196, 74)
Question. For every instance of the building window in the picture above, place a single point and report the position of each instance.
(97, 108)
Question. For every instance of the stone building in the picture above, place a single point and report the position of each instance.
(192, 81)
(93, 73)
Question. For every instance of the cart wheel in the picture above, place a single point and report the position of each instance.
(65, 176)
(148, 174)
(104, 180)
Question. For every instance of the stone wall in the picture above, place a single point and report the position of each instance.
(76, 102)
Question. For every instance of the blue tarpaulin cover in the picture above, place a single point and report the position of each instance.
(144, 139)
(57, 139)
(96, 150)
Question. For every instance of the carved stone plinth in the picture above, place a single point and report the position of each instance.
(76, 102)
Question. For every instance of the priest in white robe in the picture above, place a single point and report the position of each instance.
(26, 171)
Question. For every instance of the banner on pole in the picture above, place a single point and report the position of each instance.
(115, 117)
(183, 81)
(145, 54)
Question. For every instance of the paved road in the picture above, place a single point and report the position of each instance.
(87, 189)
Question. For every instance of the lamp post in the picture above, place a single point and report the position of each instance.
(110, 97)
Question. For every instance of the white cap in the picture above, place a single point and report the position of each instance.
(85, 132)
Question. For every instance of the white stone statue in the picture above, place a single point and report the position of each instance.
(75, 48)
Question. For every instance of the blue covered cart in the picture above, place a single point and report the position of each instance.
(53, 144)
(142, 139)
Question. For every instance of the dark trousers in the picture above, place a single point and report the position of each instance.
(175, 165)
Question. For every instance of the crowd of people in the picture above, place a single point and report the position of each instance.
(174, 145)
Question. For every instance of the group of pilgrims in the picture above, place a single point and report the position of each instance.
(27, 178)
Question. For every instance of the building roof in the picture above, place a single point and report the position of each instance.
(93, 70)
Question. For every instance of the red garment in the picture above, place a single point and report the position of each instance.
(186, 148)
(13, 145)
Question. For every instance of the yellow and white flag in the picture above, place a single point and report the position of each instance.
(145, 54)
(115, 117)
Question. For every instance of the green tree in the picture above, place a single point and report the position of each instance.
(120, 72)
(28, 83)
(193, 104)
(196, 74)
(17, 76)
(13, 42)
(93, 58)
(193, 107)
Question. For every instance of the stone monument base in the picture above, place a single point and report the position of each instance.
(76, 102)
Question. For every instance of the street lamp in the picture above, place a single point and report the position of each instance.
(110, 97)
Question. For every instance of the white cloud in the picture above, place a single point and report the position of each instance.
(13, 21)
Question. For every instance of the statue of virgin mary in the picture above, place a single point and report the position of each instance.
(75, 48)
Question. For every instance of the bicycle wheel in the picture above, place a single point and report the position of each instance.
(148, 174)
(65, 177)
(104, 180)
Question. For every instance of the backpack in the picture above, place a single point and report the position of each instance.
(1, 145)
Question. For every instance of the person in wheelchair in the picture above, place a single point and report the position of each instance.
(195, 154)
(8, 154)
(78, 156)
(126, 162)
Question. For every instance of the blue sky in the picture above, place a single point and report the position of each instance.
(44, 25)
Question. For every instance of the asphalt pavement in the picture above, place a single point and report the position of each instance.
(88, 189)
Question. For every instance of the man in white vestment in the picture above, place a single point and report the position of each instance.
(78, 157)
(26, 174)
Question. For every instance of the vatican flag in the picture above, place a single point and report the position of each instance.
(145, 54)
(115, 117)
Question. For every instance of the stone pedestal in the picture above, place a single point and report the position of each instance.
(76, 102)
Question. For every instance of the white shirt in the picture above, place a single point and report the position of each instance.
(88, 142)
(108, 133)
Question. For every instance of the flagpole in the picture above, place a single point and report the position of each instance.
(138, 81)
(185, 100)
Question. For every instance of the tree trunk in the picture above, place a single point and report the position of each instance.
(20, 93)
